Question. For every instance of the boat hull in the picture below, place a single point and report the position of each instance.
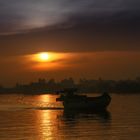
(89, 103)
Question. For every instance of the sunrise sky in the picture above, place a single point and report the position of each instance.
(69, 38)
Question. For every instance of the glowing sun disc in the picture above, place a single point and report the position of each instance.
(43, 56)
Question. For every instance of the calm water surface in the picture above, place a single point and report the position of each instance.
(29, 118)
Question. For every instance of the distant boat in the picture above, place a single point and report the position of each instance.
(73, 101)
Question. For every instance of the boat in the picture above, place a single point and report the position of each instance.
(73, 101)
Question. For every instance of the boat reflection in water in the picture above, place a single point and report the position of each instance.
(84, 124)
(103, 115)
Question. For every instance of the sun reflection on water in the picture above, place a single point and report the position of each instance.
(48, 120)
(48, 124)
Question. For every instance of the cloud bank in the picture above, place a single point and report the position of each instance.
(17, 16)
(32, 26)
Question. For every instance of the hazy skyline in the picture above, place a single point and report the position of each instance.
(99, 39)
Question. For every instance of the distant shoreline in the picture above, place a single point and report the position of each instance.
(84, 86)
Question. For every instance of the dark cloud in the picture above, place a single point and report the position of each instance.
(68, 25)
(80, 37)
(19, 15)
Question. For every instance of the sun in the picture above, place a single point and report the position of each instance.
(43, 56)
(47, 60)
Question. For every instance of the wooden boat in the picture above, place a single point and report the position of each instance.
(74, 101)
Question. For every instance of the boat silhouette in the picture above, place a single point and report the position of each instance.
(73, 101)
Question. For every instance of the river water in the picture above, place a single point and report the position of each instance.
(30, 118)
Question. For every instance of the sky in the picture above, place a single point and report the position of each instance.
(99, 38)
